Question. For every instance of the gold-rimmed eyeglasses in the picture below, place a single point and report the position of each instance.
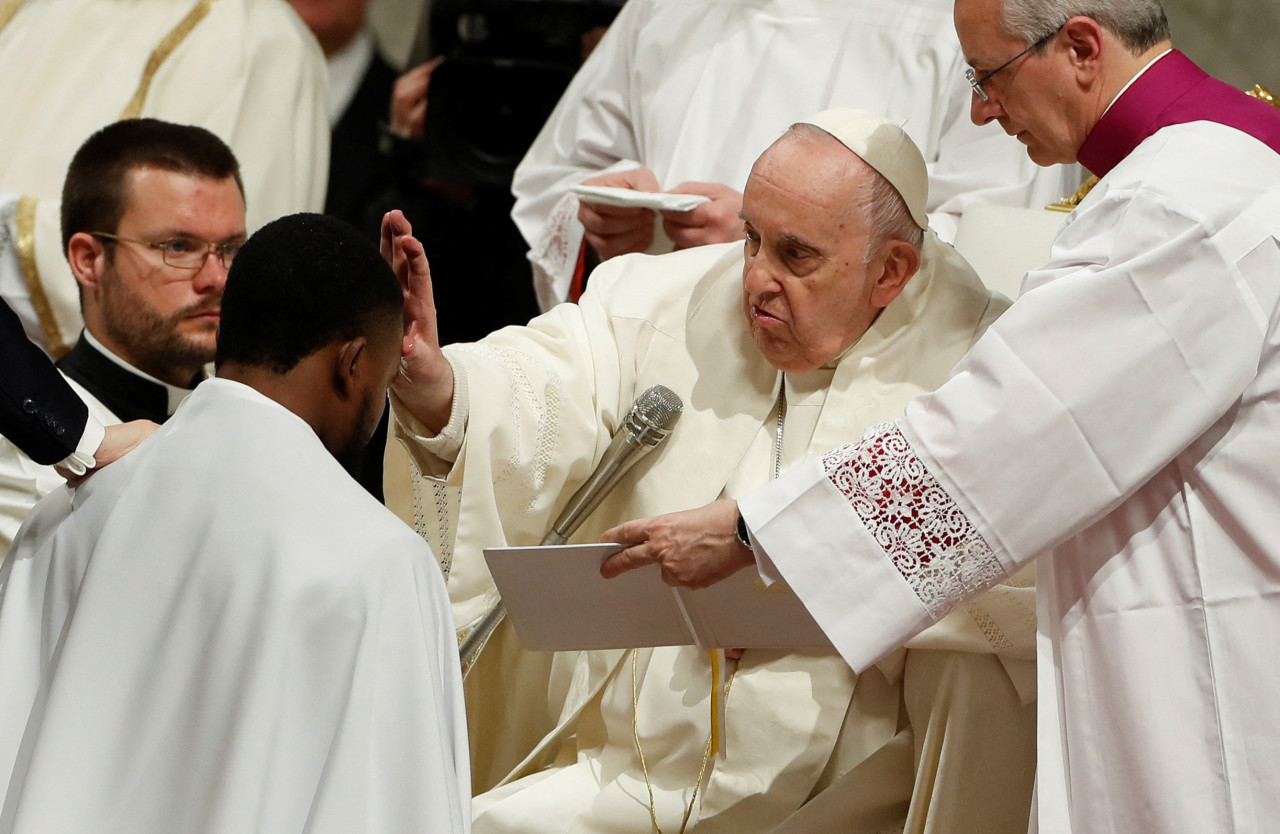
(977, 83)
(184, 252)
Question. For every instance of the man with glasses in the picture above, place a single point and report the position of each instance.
(1122, 420)
(152, 216)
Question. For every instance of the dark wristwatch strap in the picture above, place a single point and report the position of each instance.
(743, 535)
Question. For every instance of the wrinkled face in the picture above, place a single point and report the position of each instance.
(805, 290)
(1033, 98)
(159, 317)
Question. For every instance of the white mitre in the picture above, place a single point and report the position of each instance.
(885, 147)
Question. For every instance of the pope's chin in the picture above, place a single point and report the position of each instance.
(780, 352)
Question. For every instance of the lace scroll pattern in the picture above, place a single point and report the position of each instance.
(555, 255)
(927, 537)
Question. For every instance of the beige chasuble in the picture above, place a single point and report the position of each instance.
(534, 409)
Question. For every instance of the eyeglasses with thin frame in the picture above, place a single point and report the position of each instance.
(184, 252)
(977, 83)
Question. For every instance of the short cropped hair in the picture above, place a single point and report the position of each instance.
(1139, 24)
(300, 283)
(93, 193)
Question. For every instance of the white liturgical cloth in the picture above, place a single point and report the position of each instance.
(224, 632)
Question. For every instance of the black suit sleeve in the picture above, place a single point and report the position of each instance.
(39, 411)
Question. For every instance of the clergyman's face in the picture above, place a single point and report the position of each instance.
(806, 291)
(1034, 98)
(164, 319)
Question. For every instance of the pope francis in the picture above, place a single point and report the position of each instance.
(840, 307)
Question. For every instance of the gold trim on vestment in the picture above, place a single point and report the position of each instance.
(1263, 93)
(166, 47)
(1069, 203)
(30, 271)
(8, 8)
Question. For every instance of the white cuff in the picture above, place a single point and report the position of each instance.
(435, 453)
(81, 460)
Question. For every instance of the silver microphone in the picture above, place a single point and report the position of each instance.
(650, 420)
(647, 424)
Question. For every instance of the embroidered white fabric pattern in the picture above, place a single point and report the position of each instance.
(927, 537)
(555, 256)
(537, 402)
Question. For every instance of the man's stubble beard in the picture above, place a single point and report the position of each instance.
(153, 341)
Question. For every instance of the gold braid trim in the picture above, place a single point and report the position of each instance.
(1263, 93)
(30, 271)
(8, 8)
(166, 47)
(1070, 203)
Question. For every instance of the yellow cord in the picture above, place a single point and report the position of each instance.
(635, 733)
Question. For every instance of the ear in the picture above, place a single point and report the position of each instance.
(346, 368)
(899, 261)
(1084, 40)
(88, 259)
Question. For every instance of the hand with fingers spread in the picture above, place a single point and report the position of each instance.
(614, 230)
(409, 99)
(425, 381)
(695, 548)
(718, 221)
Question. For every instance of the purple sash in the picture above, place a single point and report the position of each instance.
(1174, 91)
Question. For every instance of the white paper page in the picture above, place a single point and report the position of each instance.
(627, 198)
(741, 613)
(557, 599)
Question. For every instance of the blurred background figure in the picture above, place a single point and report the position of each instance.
(684, 96)
(441, 141)
(246, 70)
(360, 82)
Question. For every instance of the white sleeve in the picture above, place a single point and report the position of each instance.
(590, 129)
(1086, 388)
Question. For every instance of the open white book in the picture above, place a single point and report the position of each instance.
(557, 600)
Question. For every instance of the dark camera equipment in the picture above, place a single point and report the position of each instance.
(507, 62)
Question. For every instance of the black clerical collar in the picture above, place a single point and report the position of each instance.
(124, 390)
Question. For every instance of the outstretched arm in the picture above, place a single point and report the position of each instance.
(696, 548)
(424, 384)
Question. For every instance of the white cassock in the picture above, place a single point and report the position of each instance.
(224, 632)
(696, 90)
(540, 405)
(247, 70)
(1123, 419)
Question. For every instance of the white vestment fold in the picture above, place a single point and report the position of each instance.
(224, 632)
(1120, 419)
(539, 405)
